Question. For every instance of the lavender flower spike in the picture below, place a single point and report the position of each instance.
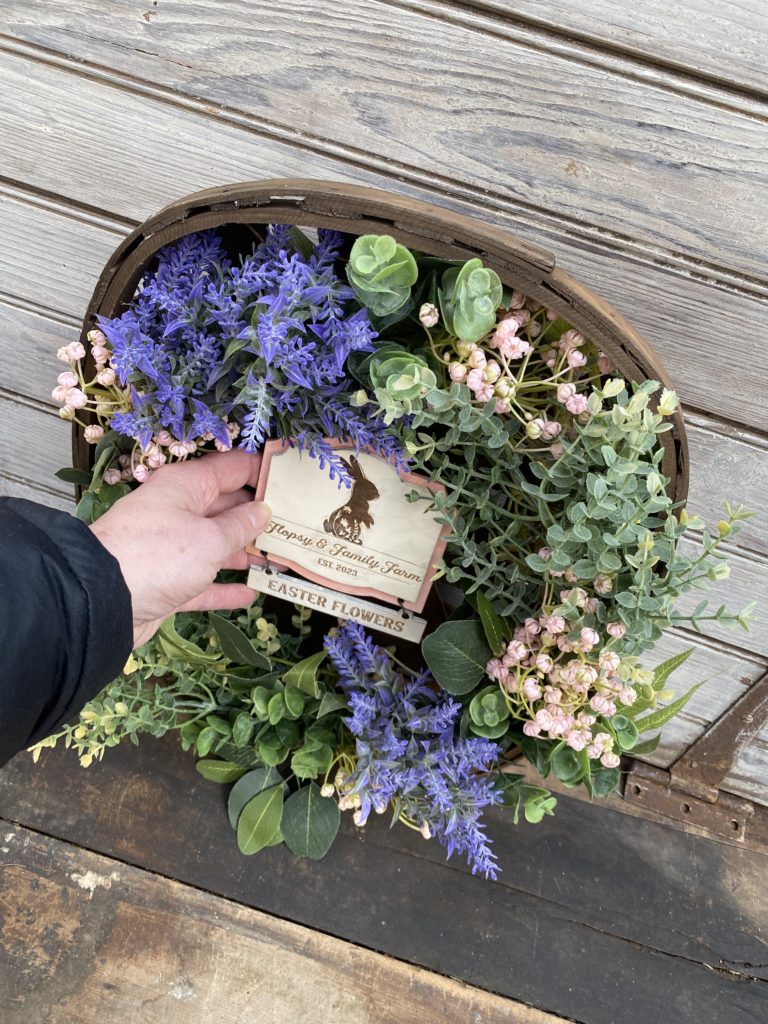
(408, 753)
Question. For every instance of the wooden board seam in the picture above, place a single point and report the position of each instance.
(690, 636)
(534, 215)
(63, 206)
(34, 487)
(39, 309)
(602, 46)
(36, 862)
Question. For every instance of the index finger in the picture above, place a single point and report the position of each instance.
(201, 481)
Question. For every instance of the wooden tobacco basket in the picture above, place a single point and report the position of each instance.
(357, 210)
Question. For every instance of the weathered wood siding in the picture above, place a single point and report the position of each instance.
(631, 146)
(167, 951)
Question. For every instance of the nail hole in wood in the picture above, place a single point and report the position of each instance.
(637, 790)
(735, 826)
(686, 808)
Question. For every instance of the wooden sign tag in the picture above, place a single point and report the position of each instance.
(331, 602)
(368, 540)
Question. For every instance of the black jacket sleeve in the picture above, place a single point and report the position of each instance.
(65, 621)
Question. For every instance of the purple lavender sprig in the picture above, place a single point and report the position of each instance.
(211, 349)
(408, 753)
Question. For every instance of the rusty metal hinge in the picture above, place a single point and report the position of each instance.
(689, 791)
(730, 817)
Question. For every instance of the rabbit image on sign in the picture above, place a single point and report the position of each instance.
(347, 521)
(367, 537)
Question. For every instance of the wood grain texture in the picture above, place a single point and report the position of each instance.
(13, 487)
(677, 918)
(750, 768)
(37, 463)
(29, 340)
(722, 42)
(723, 676)
(541, 130)
(86, 938)
(46, 139)
(747, 583)
(731, 464)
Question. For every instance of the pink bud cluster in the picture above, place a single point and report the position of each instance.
(72, 391)
(567, 395)
(560, 682)
(162, 449)
(483, 376)
(102, 396)
(494, 371)
(570, 345)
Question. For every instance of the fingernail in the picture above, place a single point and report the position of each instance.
(262, 513)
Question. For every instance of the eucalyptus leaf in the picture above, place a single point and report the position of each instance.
(303, 675)
(605, 781)
(566, 765)
(259, 822)
(310, 761)
(205, 740)
(89, 508)
(493, 625)
(247, 787)
(310, 822)
(539, 805)
(332, 702)
(456, 655)
(242, 730)
(175, 646)
(647, 746)
(220, 771)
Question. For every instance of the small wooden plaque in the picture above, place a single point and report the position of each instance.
(368, 540)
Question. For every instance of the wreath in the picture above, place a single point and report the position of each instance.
(561, 568)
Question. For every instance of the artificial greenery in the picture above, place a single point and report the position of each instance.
(382, 273)
(469, 297)
(562, 563)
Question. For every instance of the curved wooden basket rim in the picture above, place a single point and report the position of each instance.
(358, 210)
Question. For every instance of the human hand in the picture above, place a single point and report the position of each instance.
(176, 531)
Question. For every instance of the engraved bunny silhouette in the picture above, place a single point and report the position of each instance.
(347, 521)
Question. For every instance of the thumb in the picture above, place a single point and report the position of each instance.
(238, 526)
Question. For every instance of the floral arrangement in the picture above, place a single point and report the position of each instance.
(562, 562)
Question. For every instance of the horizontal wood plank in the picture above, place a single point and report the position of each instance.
(12, 487)
(619, 890)
(539, 129)
(74, 251)
(749, 769)
(680, 315)
(721, 42)
(722, 676)
(747, 583)
(28, 343)
(86, 938)
(34, 444)
(729, 464)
